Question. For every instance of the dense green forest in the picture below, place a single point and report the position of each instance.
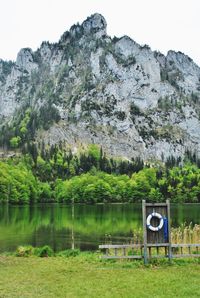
(55, 174)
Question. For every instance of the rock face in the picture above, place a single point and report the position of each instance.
(113, 92)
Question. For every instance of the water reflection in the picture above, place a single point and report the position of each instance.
(79, 226)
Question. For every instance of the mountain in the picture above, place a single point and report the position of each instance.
(91, 88)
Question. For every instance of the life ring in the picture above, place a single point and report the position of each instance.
(159, 227)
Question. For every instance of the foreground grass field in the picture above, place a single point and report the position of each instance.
(87, 276)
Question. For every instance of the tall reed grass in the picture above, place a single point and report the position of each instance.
(186, 234)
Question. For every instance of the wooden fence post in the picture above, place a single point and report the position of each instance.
(169, 231)
(144, 231)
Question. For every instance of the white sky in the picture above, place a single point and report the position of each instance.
(162, 24)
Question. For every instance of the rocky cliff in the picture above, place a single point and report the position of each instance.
(90, 88)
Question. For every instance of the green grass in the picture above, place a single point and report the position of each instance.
(87, 276)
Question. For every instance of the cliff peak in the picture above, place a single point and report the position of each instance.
(95, 23)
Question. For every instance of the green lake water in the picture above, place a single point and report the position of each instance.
(84, 226)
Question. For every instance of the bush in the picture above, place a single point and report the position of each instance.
(69, 253)
(44, 251)
(24, 251)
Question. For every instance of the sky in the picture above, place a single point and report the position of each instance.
(162, 24)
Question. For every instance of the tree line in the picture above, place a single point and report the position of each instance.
(57, 175)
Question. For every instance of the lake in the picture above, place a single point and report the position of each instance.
(82, 226)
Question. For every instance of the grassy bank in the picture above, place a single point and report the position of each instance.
(87, 276)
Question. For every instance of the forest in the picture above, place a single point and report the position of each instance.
(56, 174)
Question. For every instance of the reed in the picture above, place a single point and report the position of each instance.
(186, 234)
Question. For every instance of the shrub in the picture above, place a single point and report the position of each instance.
(24, 251)
(69, 253)
(135, 110)
(44, 251)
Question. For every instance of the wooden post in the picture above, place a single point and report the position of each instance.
(169, 231)
(124, 251)
(73, 225)
(150, 252)
(144, 231)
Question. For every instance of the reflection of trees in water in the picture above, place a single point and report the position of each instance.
(84, 226)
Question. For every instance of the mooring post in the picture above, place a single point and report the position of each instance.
(144, 231)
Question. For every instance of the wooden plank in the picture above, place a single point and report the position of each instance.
(121, 257)
(111, 246)
(186, 245)
(157, 245)
(152, 256)
(158, 256)
(186, 255)
(156, 204)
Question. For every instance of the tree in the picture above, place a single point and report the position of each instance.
(15, 141)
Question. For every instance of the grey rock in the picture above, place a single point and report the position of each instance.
(25, 60)
(112, 92)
